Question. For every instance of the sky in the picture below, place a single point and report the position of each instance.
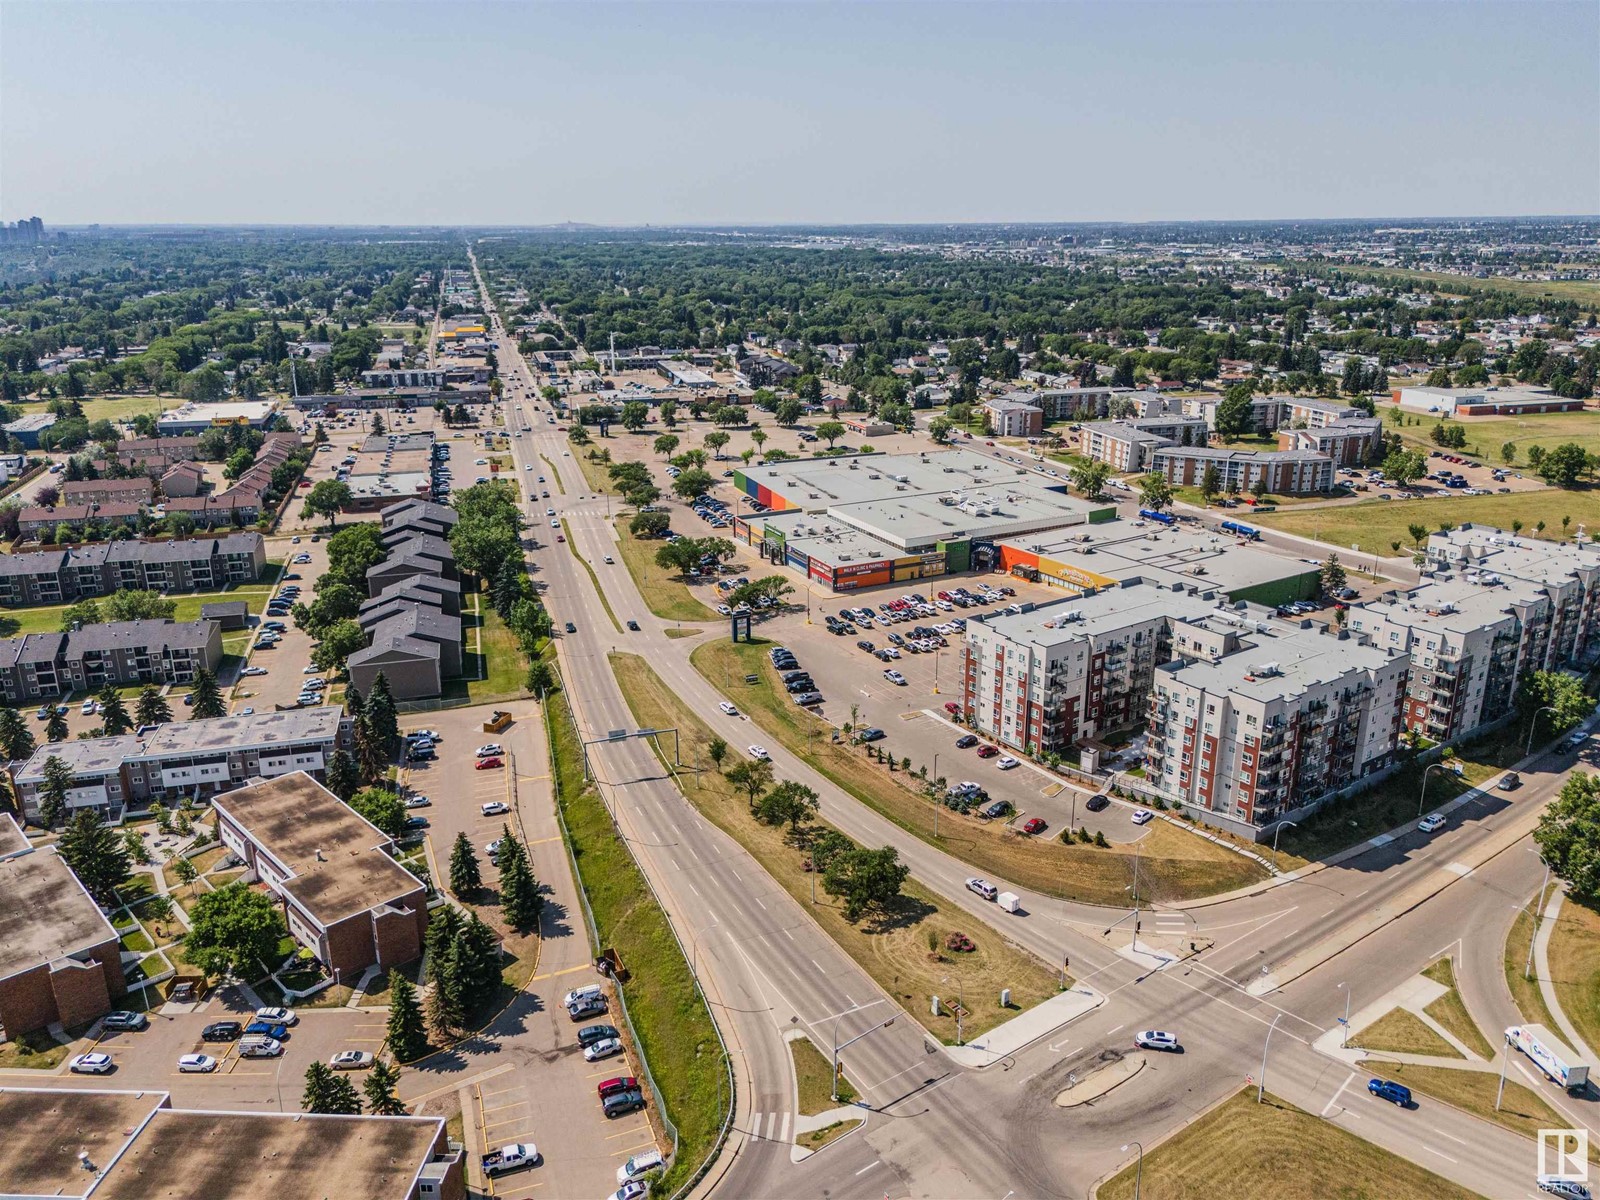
(664, 113)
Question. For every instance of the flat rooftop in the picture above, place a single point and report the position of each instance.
(1300, 660)
(335, 855)
(819, 536)
(257, 731)
(815, 484)
(46, 915)
(60, 1123)
(1165, 555)
(406, 483)
(288, 1156)
(12, 839)
(86, 756)
(919, 522)
(1102, 612)
(1538, 560)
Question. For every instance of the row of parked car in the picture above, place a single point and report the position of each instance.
(619, 1096)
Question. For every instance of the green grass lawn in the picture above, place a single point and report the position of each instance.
(1274, 1151)
(593, 578)
(1403, 1032)
(47, 618)
(811, 1071)
(1450, 1010)
(1575, 967)
(1374, 525)
(1525, 992)
(1582, 292)
(506, 665)
(666, 594)
(117, 408)
(1485, 435)
(676, 1034)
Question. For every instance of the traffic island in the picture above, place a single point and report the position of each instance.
(1111, 1070)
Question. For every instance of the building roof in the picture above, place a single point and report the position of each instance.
(390, 649)
(1217, 454)
(1064, 621)
(335, 857)
(32, 423)
(61, 1122)
(88, 757)
(223, 412)
(12, 840)
(260, 730)
(47, 915)
(815, 484)
(225, 608)
(125, 635)
(1166, 556)
(1280, 664)
(425, 509)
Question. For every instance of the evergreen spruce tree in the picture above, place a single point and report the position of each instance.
(382, 719)
(382, 1089)
(465, 878)
(520, 899)
(113, 712)
(16, 742)
(344, 779)
(53, 791)
(55, 729)
(328, 1092)
(445, 1010)
(207, 698)
(478, 956)
(152, 707)
(408, 1033)
(96, 854)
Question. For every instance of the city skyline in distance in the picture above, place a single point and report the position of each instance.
(525, 115)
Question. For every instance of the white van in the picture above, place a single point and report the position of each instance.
(258, 1045)
(640, 1165)
(579, 995)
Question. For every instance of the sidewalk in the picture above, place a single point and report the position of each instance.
(1026, 1028)
(1541, 972)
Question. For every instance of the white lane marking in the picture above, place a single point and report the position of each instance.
(1453, 1138)
(1339, 1093)
(869, 1166)
(788, 935)
(1440, 1153)
(755, 1125)
(783, 1135)
(1109, 1032)
(820, 971)
(758, 900)
(1457, 868)
(694, 889)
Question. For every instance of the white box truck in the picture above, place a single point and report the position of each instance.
(1009, 901)
(1551, 1055)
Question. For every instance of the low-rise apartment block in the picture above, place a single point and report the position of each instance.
(1284, 472)
(59, 958)
(197, 759)
(98, 569)
(1013, 416)
(1349, 443)
(343, 894)
(1131, 445)
(42, 666)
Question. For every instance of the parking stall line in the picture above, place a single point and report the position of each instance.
(634, 1132)
(651, 1141)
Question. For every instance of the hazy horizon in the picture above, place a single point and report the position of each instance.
(513, 115)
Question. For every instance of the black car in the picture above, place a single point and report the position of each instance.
(222, 1031)
(1097, 804)
(571, 628)
(416, 822)
(799, 685)
(863, 644)
(999, 808)
(633, 625)
(623, 1103)
(966, 740)
(590, 1034)
(796, 674)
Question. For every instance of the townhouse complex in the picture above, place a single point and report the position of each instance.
(97, 569)
(1250, 718)
(197, 759)
(42, 666)
(413, 614)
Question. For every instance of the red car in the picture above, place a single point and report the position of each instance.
(622, 1083)
(485, 763)
(987, 751)
(561, 537)
(1036, 825)
(951, 707)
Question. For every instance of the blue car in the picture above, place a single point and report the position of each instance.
(1394, 1093)
(269, 1029)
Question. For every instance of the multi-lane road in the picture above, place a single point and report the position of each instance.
(936, 1129)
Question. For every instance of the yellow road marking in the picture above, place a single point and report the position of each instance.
(565, 971)
(634, 1132)
(630, 1149)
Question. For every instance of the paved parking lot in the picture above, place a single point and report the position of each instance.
(285, 661)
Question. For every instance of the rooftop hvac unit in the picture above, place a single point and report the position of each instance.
(1266, 670)
(874, 476)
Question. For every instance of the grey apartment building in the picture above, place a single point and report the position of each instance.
(42, 666)
(190, 565)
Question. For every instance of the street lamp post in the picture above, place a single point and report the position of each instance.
(1344, 1039)
(1261, 1086)
(1534, 724)
(1138, 1171)
(1527, 967)
(1422, 800)
(936, 800)
(1275, 833)
(837, 1047)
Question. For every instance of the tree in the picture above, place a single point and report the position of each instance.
(343, 778)
(53, 791)
(830, 432)
(1155, 493)
(1558, 691)
(131, 604)
(717, 750)
(327, 1091)
(84, 612)
(716, 439)
(55, 729)
(650, 524)
(1090, 479)
(206, 699)
(1419, 534)
(327, 498)
(383, 808)
(865, 879)
(1333, 578)
(1568, 836)
(113, 713)
(754, 776)
(520, 899)
(1508, 452)
(1535, 455)
(788, 411)
(759, 438)
(665, 444)
(1403, 466)
(152, 708)
(1210, 482)
(96, 855)
(788, 803)
(339, 641)
(408, 1035)
(540, 678)
(939, 428)
(465, 877)
(381, 714)
(1565, 465)
(186, 872)
(378, 427)
(234, 931)
(16, 742)
(381, 1088)
(1233, 415)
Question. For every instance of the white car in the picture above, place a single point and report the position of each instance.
(279, 1016)
(197, 1064)
(87, 708)
(254, 671)
(759, 753)
(432, 735)
(609, 560)
(91, 1064)
(724, 611)
(895, 678)
(490, 748)
(1006, 762)
(982, 887)
(311, 670)
(495, 808)
(1142, 816)
(728, 707)
(555, 524)
(549, 512)
(1431, 823)
(1155, 1039)
(604, 1048)
(492, 849)
(351, 1060)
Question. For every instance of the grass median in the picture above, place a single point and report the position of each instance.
(1273, 1151)
(1172, 865)
(674, 1027)
(593, 578)
(554, 476)
(906, 950)
(1525, 991)
(664, 591)
(1402, 1032)
(1450, 1010)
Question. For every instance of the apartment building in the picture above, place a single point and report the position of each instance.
(42, 666)
(1348, 443)
(1012, 416)
(415, 637)
(1075, 669)
(59, 958)
(1131, 445)
(34, 520)
(1283, 720)
(1568, 573)
(1284, 472)
(197, 759)
(1265, 415)
(107, 491)
(343, 894)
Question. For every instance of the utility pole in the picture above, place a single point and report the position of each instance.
(1538, 908)
(1261, 1086)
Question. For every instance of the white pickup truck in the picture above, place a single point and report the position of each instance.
(509, 1158)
